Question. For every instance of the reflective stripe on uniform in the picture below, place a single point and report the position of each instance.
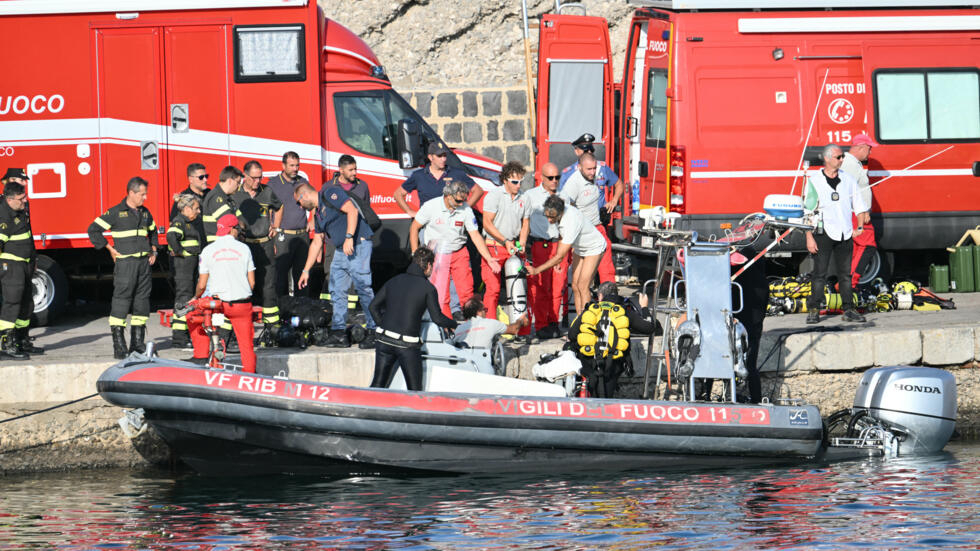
(102, 223)
(19, 237)
(20, 324)
(5, 325)
(8, 256)
(137, 320)
(117, 322)
(134, 255)
(141, 232)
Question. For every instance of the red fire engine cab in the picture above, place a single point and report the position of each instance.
(724, 102)
(100, 91)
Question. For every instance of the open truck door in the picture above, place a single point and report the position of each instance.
(574, 88)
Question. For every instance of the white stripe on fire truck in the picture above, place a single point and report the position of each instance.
(705, 175)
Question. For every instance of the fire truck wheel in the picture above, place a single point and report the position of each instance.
(50, 291)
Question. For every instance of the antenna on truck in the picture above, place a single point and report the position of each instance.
(806, 142)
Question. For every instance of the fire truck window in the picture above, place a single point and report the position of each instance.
(954, 106)
(928, 105)
(574, 100)
(361, 122)
(656, 108)
(267, 53)
(901, 106)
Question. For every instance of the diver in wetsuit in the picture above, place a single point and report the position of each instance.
(398, 308)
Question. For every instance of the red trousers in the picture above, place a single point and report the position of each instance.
(548, 288)
(861, 242)
(607, 272)
(455, 266)
(491, 280)
(240, 316)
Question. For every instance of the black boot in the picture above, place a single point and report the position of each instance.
(137, 334)
(24, 341)
(9, 347)
(180, 339)
(119, 342)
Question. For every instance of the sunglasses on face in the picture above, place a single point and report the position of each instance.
(514, 181)
(839, 157)
(202, 176)
(546, 177)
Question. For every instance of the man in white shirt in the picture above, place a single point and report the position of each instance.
(448, 220)
(505, 227)
(478, 331)
(228, 272)
(835, 195)
(579, 237)
(547, 289)
(583, 193)
(864, 243)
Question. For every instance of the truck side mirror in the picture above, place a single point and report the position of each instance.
(409, 144)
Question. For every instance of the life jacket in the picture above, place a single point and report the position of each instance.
(604, 331)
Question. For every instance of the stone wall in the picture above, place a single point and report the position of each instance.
(489, 121)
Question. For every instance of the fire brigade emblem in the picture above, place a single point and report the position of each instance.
(841, 111)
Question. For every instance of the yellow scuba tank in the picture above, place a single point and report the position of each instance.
(604, 331)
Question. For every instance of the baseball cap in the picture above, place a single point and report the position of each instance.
(15, 173)
(226, 223)
(436, 148)
(864, 139)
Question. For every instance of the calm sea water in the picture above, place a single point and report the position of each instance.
(923, 502)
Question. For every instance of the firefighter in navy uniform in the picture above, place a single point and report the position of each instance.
(185, 243)
(17, 262)
(133, 250)
(262, 211)
(219, 202)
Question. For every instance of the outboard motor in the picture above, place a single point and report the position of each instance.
(515, 284)
(918, 403)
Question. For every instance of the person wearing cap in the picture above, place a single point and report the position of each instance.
(262, 211)
(429, 181)
(578, 236)
(864, 242)
(228, 272)
(832, 193)
(582, 190)
(218, 203)
(18, 258)
(16, 175)
(548, 288)
(505, 228)
(292, 236)
(134, 251)
(447, 221)
(605, 177)
(185, 244)
(335, 216)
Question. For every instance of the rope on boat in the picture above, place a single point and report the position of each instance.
(48, 409)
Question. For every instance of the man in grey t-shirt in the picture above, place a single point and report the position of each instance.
(478, 331)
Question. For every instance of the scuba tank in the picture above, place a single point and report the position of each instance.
(515, 284)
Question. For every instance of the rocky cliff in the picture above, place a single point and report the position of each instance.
(432, 44)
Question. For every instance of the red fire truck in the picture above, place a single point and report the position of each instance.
(723, 102)
(100, 91)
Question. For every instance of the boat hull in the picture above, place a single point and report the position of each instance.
(206, 414)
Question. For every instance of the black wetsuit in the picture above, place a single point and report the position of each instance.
(755, 293)
(398, 309)
(640, 324)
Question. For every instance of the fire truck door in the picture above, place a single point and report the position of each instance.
(131, 112)
(197, 84)
(574, 87)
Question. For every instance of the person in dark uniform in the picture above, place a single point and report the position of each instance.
(755, 296)
(346, 178)
(641, 322)
(262, 211)
(185, 245)
(18, 259)
(197, 185)
(218, 203)
(292, 240)
(398, 308)
(134, 251)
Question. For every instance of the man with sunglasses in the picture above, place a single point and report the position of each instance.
(262, 211)
(197, 185)
(548, 288)
(834, 194)
(864, 243)
(447, 221)
(505, 228)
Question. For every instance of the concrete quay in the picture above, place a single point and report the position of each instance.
(821, 364)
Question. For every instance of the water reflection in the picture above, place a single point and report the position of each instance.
(909, 502)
